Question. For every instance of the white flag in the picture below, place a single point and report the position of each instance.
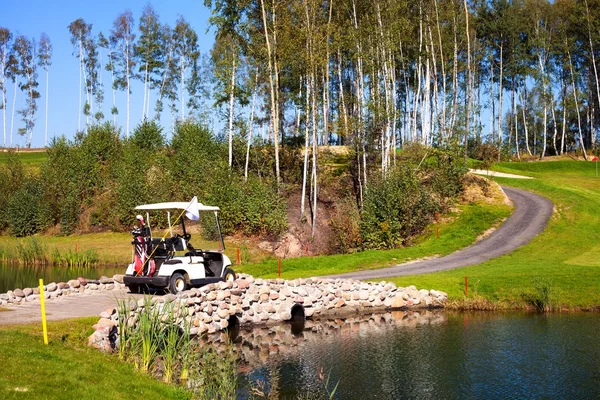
(191, 210)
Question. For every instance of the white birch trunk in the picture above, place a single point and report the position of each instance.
(12, 118)
(231, 103)
(577, 106)
(46, 125)
(274, 113)
(306, 144)
(251, 125)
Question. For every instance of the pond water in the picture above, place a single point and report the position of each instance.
(427, 355)
(19, 276)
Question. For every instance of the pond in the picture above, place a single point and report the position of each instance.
(427, 355)
(19, 276)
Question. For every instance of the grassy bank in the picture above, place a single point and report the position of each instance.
(561, 264)
(68, 368)
(108, 248)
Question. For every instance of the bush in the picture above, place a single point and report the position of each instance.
(99, 149)
(345, 225)
(395, 209)
(28, 213)
(252, 208)
(148, 136)
(446, 177)
(196, 155)
(11, 179)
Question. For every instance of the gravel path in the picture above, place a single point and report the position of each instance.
(529, 218)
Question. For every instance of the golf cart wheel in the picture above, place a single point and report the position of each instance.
(229, 275)
(134, 288)
(177, 284)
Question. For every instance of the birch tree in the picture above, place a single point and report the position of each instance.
(44, 62)
(80, 33)
(122, 39)
(25, 51)
(5, 46)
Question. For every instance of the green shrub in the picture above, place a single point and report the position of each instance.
(252, 208)
(27, 212)
(69, 213)
(148, 136)
(395, 209)
(446, 177)
(99, 149)
(345, 225)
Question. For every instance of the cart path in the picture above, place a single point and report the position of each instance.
(64, 307)
(529, 218)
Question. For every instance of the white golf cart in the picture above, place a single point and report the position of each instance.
(171, 263)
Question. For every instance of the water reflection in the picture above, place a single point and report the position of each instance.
(18, 276)
(426, 355)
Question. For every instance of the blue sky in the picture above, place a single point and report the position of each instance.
(33, 17)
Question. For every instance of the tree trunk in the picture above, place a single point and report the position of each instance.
(577, 106)
(127, 73)
(593, 62)
(306, 144)
(12, 118)
(274, 112)
(231, 103)
(46, 127)
(251, 125)
(500, 92)
(469, 81)
(524, 118)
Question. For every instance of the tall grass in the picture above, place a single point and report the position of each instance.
(32, 251)
(541, 298)
(156, 339)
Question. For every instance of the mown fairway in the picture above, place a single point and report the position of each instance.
(565, 257)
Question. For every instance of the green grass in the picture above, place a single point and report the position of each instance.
(111, 248)
(463, 228)
(68, 369)
(31, 160)
(566, 254)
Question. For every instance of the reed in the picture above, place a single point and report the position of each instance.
(541, 298)
(174, 348)
(149, 325)
(32, 251)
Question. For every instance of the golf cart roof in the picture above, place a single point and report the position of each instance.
(180, 205)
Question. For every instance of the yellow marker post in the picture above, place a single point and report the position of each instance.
(43, 304)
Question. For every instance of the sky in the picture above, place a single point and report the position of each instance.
(52, 17)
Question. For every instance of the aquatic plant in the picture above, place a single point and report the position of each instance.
(31, 251)
(148, 330)
(541, 298)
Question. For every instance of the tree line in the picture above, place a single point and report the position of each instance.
(379, 74)
(20, 60)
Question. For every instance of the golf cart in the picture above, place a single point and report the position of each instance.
(171, 262)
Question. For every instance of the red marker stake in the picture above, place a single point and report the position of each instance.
(467, 286)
